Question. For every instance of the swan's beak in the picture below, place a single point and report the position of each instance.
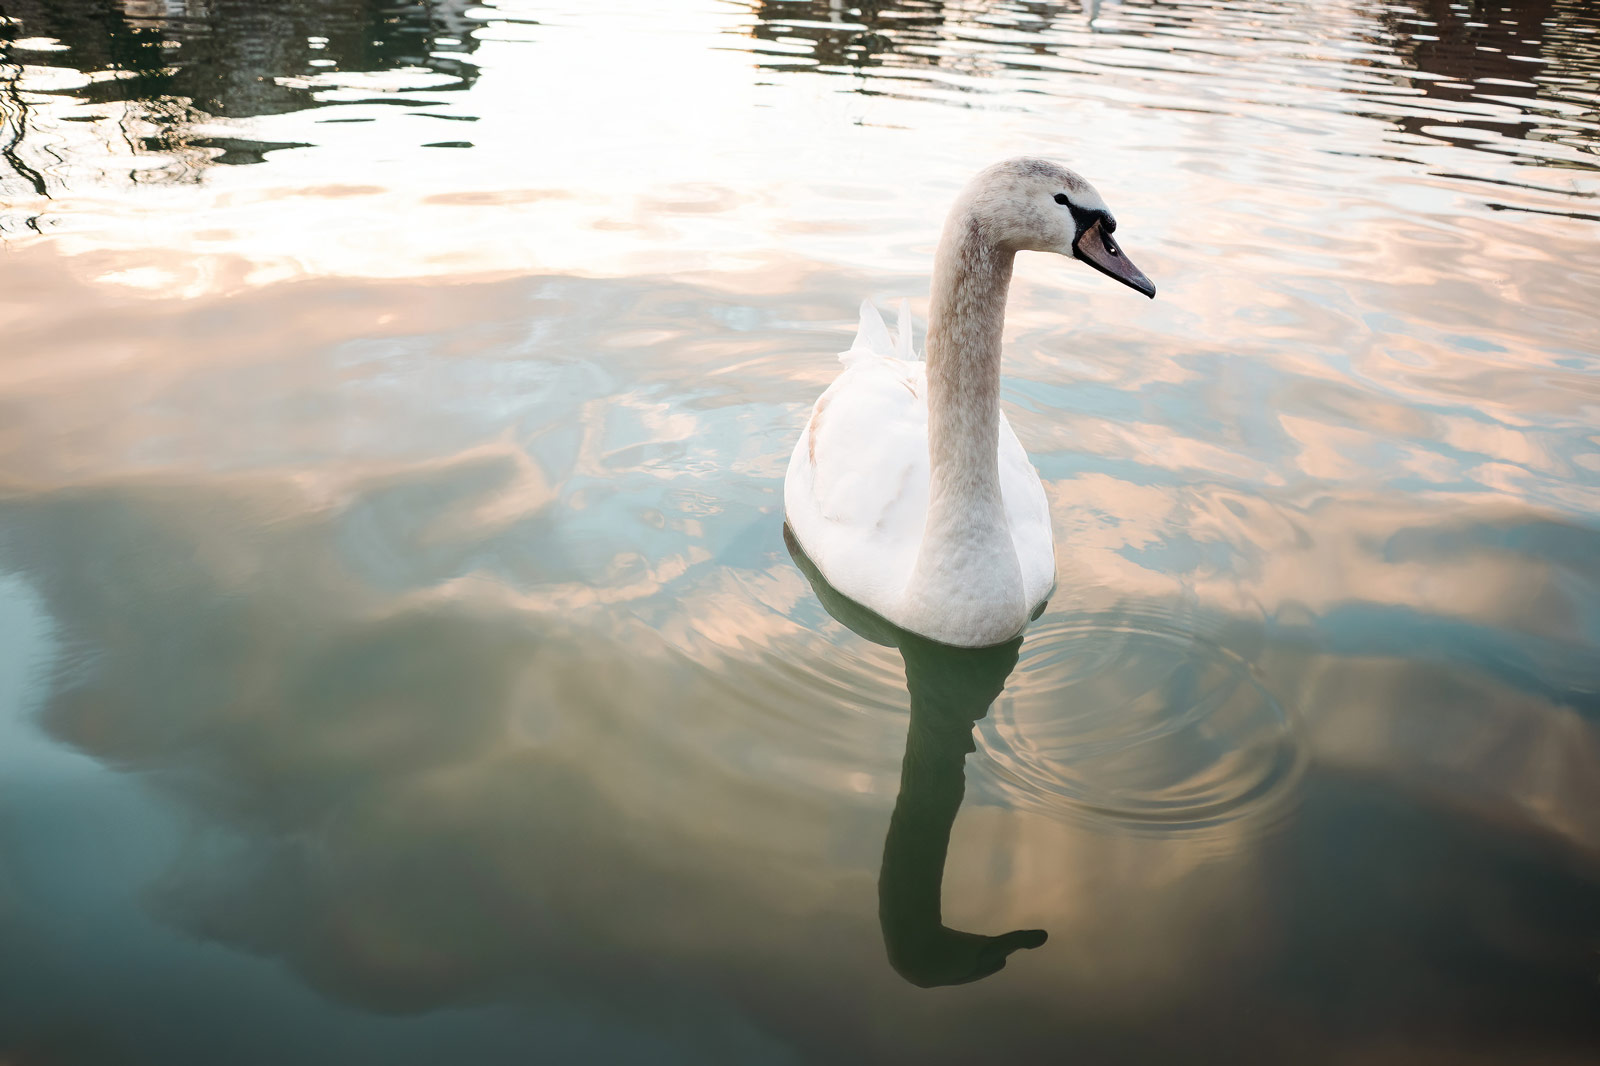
(1097, 248)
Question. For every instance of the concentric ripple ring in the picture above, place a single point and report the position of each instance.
(1140, 721)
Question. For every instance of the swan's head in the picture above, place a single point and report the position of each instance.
(1035, 205)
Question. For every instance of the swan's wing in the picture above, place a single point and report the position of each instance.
(869, 435)
(856, 494)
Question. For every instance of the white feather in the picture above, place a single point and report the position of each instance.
(856, 491)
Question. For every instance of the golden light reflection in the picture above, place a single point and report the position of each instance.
(677, 141)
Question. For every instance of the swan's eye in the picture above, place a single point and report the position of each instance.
(1061, 198)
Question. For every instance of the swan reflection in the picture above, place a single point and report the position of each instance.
(951, 689)
(1130, 721)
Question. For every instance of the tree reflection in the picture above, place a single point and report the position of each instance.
(854, 38)
(1541, 53)
(14, 118)
(177, 64)
(1467, 55)
(870, 36)
(950, 688)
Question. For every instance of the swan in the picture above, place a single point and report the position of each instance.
(907, 488)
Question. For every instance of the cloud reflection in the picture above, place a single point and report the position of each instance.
(416, 790)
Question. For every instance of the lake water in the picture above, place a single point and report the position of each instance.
(401, 658)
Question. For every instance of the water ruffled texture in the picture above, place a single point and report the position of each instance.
(397, 616)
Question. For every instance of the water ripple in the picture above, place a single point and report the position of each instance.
(1138, 720)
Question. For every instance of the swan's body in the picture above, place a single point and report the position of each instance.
(908, 488)
(856, 494)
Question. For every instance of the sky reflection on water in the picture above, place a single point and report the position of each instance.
(399, 651)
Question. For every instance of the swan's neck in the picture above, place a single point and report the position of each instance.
(967, 563)
(971, 277)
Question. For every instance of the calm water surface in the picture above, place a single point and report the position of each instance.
(400, 655)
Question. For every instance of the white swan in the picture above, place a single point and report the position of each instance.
(908, 489)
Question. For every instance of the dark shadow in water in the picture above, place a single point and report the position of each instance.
(951, 688)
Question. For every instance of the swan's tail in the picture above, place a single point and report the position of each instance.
(872, 336)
